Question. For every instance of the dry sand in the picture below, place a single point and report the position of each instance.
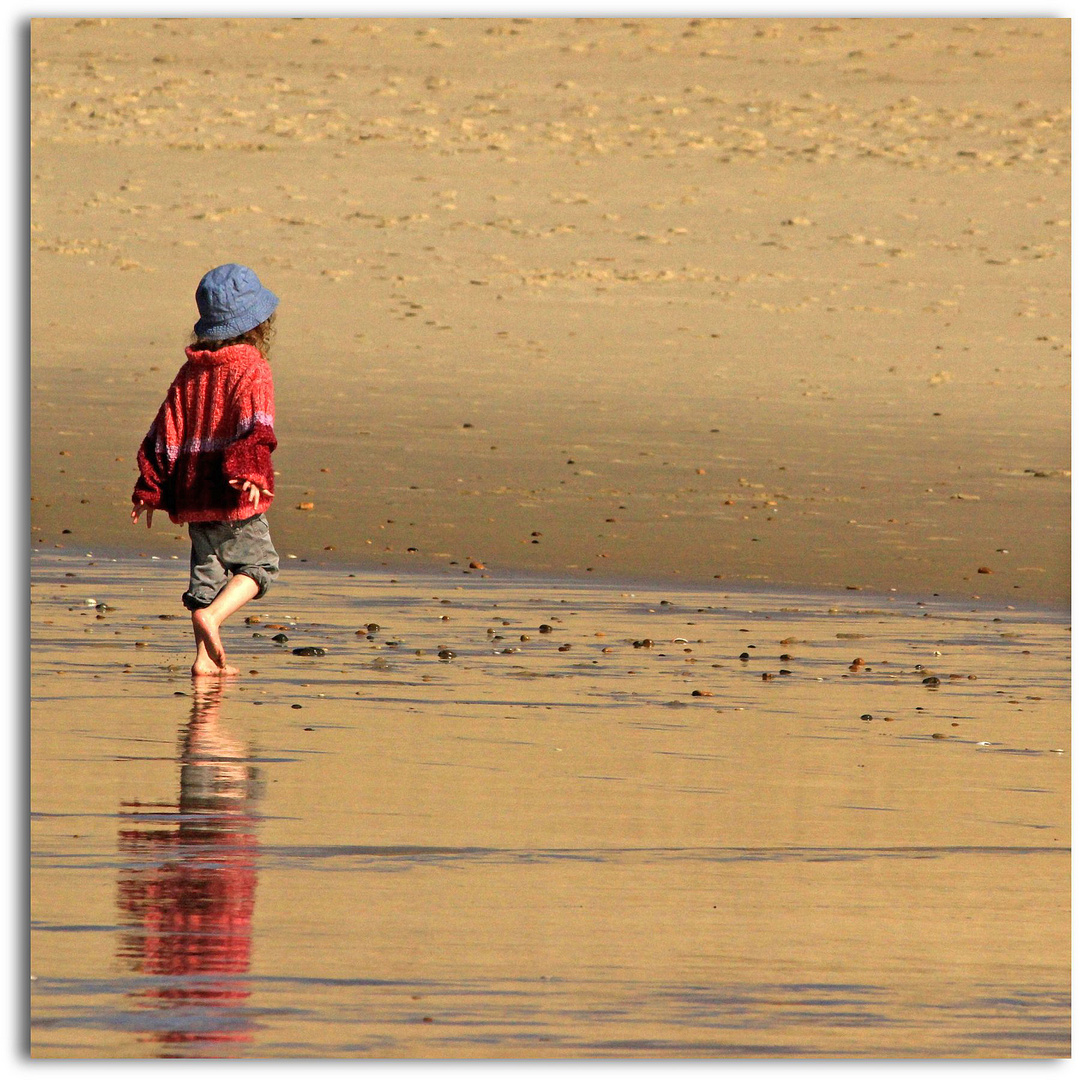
(742, 299)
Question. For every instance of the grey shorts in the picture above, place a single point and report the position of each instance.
(220, 549)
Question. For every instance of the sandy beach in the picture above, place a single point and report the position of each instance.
(609, 838)
(699, 388)
(765, 300)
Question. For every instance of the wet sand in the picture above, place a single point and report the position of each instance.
(783, 301)
(613, 838)
(748, 332)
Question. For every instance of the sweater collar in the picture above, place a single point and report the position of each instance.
(228, 354)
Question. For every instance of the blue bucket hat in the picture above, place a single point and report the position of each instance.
(231, 301)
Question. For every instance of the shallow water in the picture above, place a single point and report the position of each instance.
(539, 848)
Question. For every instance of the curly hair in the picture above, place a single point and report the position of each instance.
(260, 336)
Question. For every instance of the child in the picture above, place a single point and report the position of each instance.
(206, 458)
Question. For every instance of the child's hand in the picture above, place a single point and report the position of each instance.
(137, 509)
(252, 491)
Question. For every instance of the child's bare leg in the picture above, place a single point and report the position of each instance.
(206, 622)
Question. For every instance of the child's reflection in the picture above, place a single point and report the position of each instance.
(188, 888)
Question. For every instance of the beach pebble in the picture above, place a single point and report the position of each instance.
(866, 716)
(309, 650)
(931, 680)
(280, 638)
(446, 654)
(546, 629)
(702, 693)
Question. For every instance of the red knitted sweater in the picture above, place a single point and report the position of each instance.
(216, 424)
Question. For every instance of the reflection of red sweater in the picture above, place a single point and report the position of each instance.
(216, 424)
(193, 900)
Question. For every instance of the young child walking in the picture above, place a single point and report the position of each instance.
(206, 458)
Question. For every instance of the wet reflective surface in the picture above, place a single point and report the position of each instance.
(186, 892)
(648, 851)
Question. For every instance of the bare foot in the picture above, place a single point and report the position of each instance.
(206, 633)
(202, 669)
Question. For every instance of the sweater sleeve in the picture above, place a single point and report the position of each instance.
(154, 459)
(248, 456)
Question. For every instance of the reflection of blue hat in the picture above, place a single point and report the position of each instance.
(231, 301)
